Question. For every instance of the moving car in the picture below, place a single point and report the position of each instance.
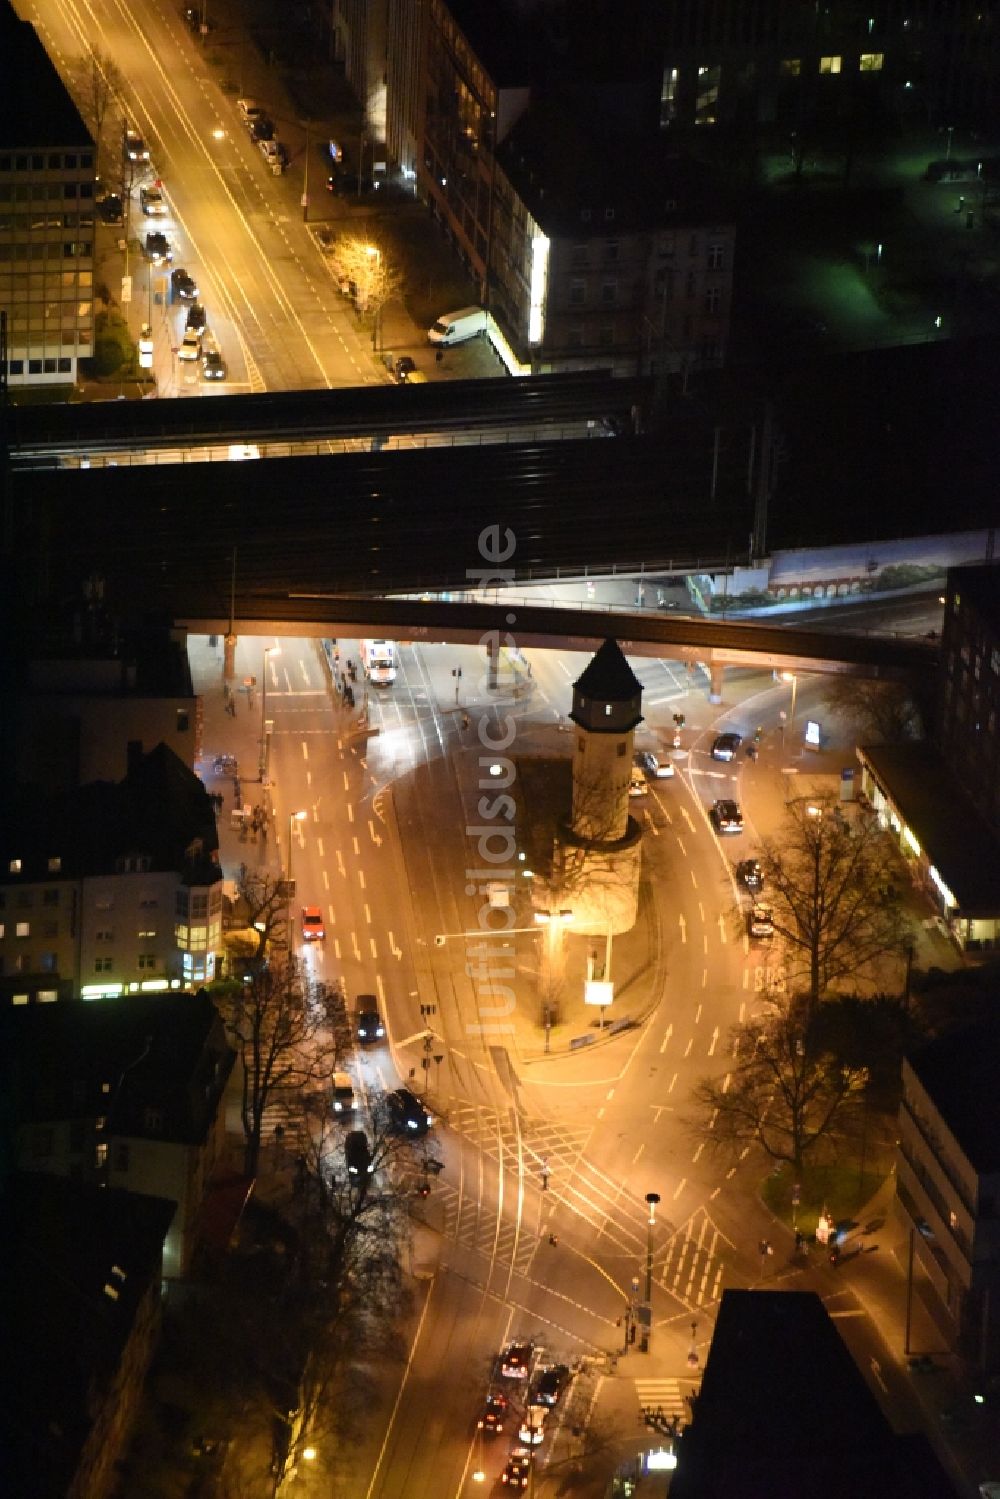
(197, 318)
(312, 924)
(760, 922)
(637, 784)
(152, 202)
(456, 327)
(517, 1473)
(407, 1115)
(724, 746)
(750, 874)
(532, 1429)
(654, 768)
(273, 153)
(515, 1360)
(250, 111)
(262, 129)
(135, 147)
(550, 1384)
(190, 348)
(357, 1154)
(343, 1093)
(492, 1415)
(183, 286)
(727, 817)
(213, 366)
(368, 1024)
(158, 248)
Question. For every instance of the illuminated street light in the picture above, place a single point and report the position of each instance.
(652, 1198)
(789, 676)
(218, 133)
(309, 1454)
(293, 817)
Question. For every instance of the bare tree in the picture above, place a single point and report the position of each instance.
(832, 892)
(262, 905)
(786, 1093)
(104, 86)
(289, 1033)
(882, 712)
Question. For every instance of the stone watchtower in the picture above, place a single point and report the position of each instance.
(607, 699)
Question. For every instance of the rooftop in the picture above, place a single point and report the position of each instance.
(959, 1073)
(943, 820)
(607, 677)
(35, 108)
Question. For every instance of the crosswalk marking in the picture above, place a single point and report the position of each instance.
(661, 1394)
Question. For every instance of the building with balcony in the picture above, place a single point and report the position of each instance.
(125, 1094)
(110, 889)
(948, 1187)
(81, 1313)
(46, 216)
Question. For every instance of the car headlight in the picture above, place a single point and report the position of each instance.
(337, 1107)
(362, 1035)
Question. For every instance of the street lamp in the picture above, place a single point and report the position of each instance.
(789, 676)
(652, 1198)
(269, 650)
(293, 817)
(554, 921)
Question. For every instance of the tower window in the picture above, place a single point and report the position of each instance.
(620, 750)
(607, 710)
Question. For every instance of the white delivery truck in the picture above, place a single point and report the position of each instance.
(456, 327)
(378, 661)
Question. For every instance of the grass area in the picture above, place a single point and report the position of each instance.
(838, 1186)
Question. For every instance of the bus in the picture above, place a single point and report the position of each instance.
(378, 661)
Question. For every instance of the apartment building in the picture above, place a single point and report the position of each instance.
(948, 1187)
(967, 728)
(110, 889)
(124, 1094)
(46, 216)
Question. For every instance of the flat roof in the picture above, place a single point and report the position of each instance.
(943, 820)
(35, 107)
(959, 1072)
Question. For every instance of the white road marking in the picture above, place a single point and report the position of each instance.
(680, 845)
(336, 948)
(693, 879)
(672, 1082)
(319, 847)
(666, 1039)
(687, 818)
(638, 1153)
(361, 879)
(326, 879)
(701, 910)
(680, 1187)
(375, 837)
(687, 1049)
(714, 1042)
(356, 848)
(876, 1368)
(341, 866)
(371, 943)
(397, 952)
(701, 1147)
(305, 750)
(722, 929)
(347, 782)
(683, 926)
(354, 944)
(368, 913)
(350, 812)
(697, 1014)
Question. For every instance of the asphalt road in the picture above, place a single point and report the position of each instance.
(271, 301)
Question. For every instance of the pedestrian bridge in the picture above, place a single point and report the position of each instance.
(510, 620)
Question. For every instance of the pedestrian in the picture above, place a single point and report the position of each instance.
(439, 356)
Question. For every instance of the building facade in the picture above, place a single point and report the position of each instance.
(967, 728)
(948, 1187)
(47, 179)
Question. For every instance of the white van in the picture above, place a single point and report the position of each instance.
(456, 327)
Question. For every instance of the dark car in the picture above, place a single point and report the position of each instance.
(491, 1417)
(750, 874)
(195, 18)
(158, 248)
(517, 1473)
(550, 1385)
(727, 817)
(403, 367)
(213, 366)
(183, 286)
(407, 1115)
(515, 1360)
(725, 746)
(357, 1154)
(111, 209)
(368, 1023)
(262, 129)
(197, 318)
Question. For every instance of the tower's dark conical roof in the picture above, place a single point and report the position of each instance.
(608, 677)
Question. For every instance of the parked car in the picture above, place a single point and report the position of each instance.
(213, 366)
(197, 318)
(190, 349)
(273, 152)
(262, 129)
(637, 785)
(158, 248)
(111, 209)
(724, 746)
(407, 1115)
(550, 1384)
(515, 1360)
(491, 1417)
(760, 923)
(250, 111)
(368, 1024)
(152, 202)
(357, 1155)
(727, 817)
(183, 286)
(312, 924)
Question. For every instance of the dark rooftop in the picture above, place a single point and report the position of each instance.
(607, 677)
(959, 1072)
(63, 1245)
(35, 108)
(783, 1410)
(980, 587)
(165, 1057)
(944, 821)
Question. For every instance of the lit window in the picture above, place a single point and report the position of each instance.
(101, 1153)
(871, 62)
(145, 934)
(829, 64)
(952, 1220)
(55, 865)
(607, 710)
(24, 928)
(15, 866)
(791, 67)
